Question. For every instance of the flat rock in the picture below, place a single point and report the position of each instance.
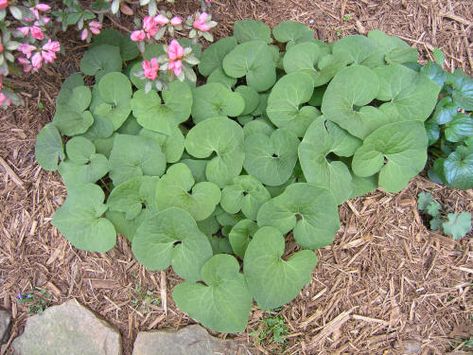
(191, 340)
(67, 329)
(5, 319)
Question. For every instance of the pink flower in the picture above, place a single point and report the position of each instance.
(176, 67)
(200, 22)
(52, 46)
(161, 20)
(175, 50)
(3, 4)
(36, 61)
(49, 57)
(26, 64)
(37, 33)
(4, 100)
(95, 27)
(26, 49)
(138, 36)
(150, 68)
(84, 34)
(150, 26)
(1, 51)
(25, 30)
(43, 7)
(176, 21)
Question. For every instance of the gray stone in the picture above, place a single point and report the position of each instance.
(5, 319)
(191, 340)
(67, 329)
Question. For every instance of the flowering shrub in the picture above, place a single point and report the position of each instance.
(210, 179)
(27, 32)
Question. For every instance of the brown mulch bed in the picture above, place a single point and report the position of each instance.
(386, 285)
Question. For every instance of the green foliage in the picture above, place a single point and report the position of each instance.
(455, 225)
(272, 329)
(210, 179)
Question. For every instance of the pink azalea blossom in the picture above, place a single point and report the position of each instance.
(176, 21)
(3, 4)
(150, 26)
(95, 27)
(161, 20)
(26, 49)
(4, 100)
(26, 64)
(1, 51)
(175, 67)
(138, 36)
(200, 22)
(37, 33)
(25, 30)
(175, 50)
(48, 57)
(52, 46)
(37, 61)
(150, 68)
(84, 34)
(43, 7)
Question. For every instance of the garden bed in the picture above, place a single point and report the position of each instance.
(385, 284)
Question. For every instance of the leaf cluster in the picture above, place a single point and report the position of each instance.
(212, 180)
(455, 225)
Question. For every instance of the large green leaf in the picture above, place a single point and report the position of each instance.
(409, 95)
(395, 50)
(214, 99)
(462, 89)
(225, 138)
(176, 189)
(83, 164)
(128, 48)
(49, 149)
(171, 237)
(250, 30)
(240, 236)
(458, 168)
(271, 159)
(304, 57)
(310, 211)
(163, 118)
(272, 280)
(253, 60)
(100, 60)
(135, 156)
(284, 103)
(212, 57)
(80, 219)
(398, 151)
(246, 194)
(321, 139)
(112, 99)
(345, 104)
(459, 128)
(131, 196)
(292, 32)
(359, 49)
(222, 302)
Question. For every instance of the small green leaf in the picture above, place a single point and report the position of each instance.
(222, 302)
(49, 149)
(171, 237)
(435, 223)
(458, 168)
(462, 92)
(241, 234)
(458, 225)
(172, 145)
(100, 60)
(459, 128)
(128, 48)
(424, 199)
(439, 57)
(71, 117)
(251, 98)
(212, 58)
(250, 30)
(272, 280)
(292, 32)
(80, 219)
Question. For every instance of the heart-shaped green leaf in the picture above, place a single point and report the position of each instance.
(176, 189)
(223, 302)
(458, 225)
(345, 104)
(273, 281)
(124, 226)
(460, 128)
(71, 117)
(321, 139)
(128, 48)
(171, 237)
(49, 149)
(135, 156)
(462, 86)
(395, 50)
(250, 30)
(219, 76)
(214, 99)
(163, 118)
(240, 236)
(172, 145)
(251, 98)
(246, 194)
(309, 210)
(131, 196)
(359, 49)
(304, 57)
(284, 103)
(100, 60)
(458, 168)
(271, 159)
(253, 60)
(292, 32)
(225, 138)
(213, 56)
(398, 151)
(80, 219)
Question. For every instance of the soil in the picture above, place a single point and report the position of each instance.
(387, 284)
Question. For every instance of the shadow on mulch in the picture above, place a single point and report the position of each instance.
(386, 284)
